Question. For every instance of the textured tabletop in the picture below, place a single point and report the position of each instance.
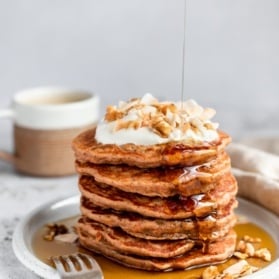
(18, 195)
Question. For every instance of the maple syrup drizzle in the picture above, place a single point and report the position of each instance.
(193, 172)
(183, 55)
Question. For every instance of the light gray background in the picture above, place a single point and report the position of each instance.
(124, 48)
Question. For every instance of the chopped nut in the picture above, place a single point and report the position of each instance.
(248, 270)
(133, 104)
(245, 248)
(127, 124)
(165, 107)
(185, 126)
(209, 126)
(239, 269)
(67, 237)
(49, 236)
(240, 255)
(192, 108)
(196, 122)
(236, 268)
(250, 250)
(207, 114)
(113, 114)
(177, 120)
(250, 239)
(146, 119)
(161, 126)
(194, 128)
(53, 230)
(241, 246)
(210, 272)
(263, 254)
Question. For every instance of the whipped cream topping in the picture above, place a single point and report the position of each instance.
(146, 121)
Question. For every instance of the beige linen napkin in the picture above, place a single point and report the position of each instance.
(257, 173)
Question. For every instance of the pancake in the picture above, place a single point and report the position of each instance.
(182, 153)
(176, 207)
(124, 243)
(201, 255)
(208, 228)
(162, 182)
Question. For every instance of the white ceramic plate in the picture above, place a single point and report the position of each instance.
(68, 207)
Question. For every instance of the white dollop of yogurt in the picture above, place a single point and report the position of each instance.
(147, 121)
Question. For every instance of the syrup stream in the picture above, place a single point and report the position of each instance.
(183, 55)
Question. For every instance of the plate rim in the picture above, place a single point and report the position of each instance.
(34, 264)
(25, 256)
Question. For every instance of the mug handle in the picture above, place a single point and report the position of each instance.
(4, 155)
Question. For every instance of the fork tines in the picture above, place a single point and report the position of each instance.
(77, 263)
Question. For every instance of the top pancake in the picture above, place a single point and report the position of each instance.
(87, 149)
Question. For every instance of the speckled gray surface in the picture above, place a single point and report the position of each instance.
(20, 194)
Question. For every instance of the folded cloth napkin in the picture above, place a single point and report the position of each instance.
(257, 173)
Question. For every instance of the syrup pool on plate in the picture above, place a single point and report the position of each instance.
(44, 249)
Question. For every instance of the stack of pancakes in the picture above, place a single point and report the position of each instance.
(156, 207)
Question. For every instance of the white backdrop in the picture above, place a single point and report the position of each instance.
(124, 48)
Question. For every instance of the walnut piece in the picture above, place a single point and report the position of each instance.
(54, 230)
(161, 126)
(239, 255)
(113, 114)
(263, 254)
(250, 239)
(240, 269)
(210, 272)
(67, 237)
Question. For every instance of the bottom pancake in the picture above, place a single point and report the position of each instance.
(201, 255)
(124, 243)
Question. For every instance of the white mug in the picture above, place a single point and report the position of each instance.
(46, 119)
